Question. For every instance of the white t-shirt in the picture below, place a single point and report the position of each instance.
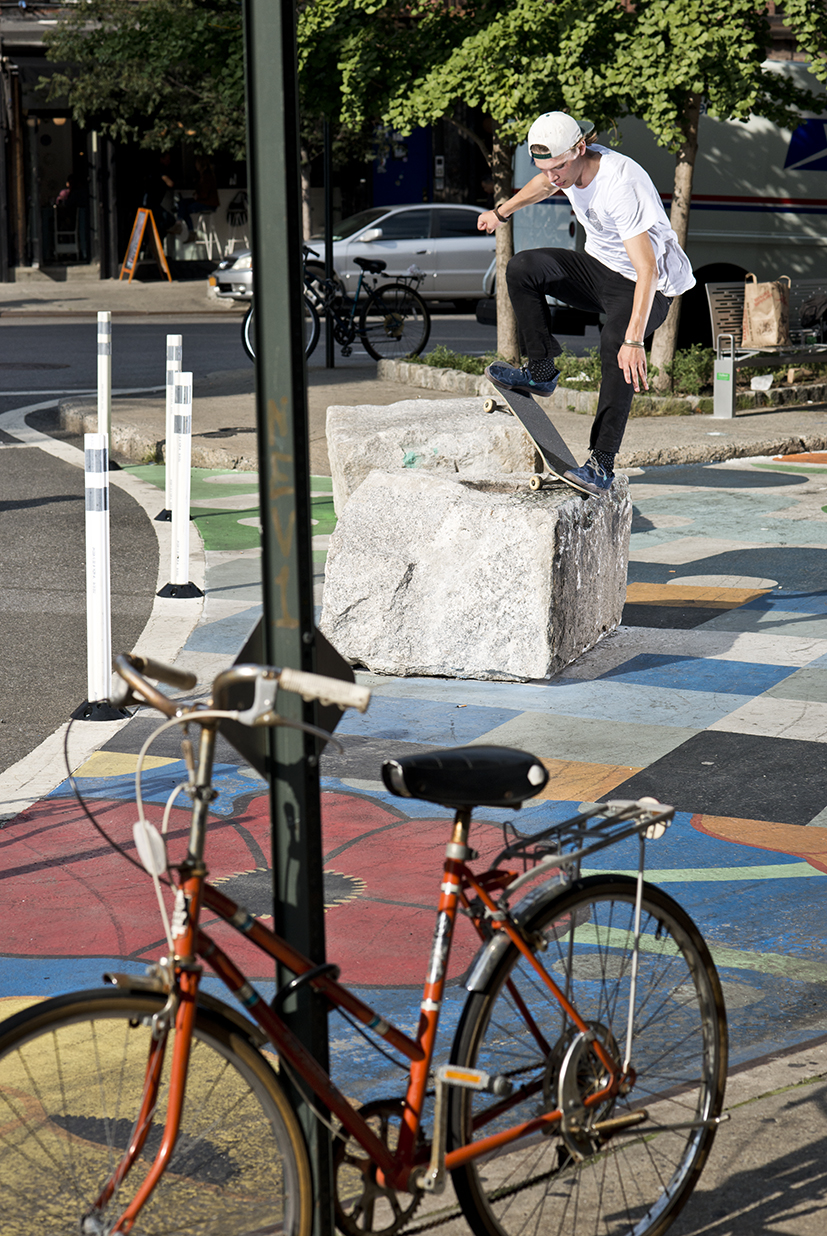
(621, 202)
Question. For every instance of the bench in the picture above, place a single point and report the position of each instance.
(726, 309)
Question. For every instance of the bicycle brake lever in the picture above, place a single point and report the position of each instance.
(262, 711)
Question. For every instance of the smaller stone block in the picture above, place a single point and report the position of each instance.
(474, 578)
(454, 436)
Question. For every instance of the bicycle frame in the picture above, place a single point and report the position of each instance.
(460, 888)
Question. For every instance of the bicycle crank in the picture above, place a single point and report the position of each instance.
(363, 1206)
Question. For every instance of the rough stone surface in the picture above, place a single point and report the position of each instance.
(474, 578)
(440, 435)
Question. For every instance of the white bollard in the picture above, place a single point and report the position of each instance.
(105, 373)
(180, 459)
(98, 601)
(175, 351)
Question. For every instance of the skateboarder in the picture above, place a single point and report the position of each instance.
(632, 268)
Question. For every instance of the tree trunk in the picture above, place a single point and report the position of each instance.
(507, 336)
(664, 342)
(305, 174)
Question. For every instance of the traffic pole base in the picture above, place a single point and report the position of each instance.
(99, 710)
(163, 517)
(181, 592)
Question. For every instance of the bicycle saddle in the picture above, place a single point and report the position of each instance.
(467, 777)
(372, 265)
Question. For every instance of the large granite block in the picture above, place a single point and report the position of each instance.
(474, 578)
(439, 435)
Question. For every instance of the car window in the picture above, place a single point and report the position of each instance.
(354, 223)
(406, 225)
(456, 223)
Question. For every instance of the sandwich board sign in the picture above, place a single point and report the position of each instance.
(143, 216)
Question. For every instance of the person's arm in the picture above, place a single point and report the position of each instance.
(537, 190)
(632, 360)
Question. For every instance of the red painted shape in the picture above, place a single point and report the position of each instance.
(66, 893)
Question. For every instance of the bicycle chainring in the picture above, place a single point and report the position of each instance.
(344, 331)
(363, 1206)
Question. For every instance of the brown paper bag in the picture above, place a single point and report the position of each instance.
(766, 313)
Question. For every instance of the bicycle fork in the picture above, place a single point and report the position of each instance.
(180, 1009)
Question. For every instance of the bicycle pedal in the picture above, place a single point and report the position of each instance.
(474, 1079)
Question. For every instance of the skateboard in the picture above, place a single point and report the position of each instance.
(554, 453)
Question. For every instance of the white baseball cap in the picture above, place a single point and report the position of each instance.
(556, 133)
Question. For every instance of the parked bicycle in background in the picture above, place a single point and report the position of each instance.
(393, 321)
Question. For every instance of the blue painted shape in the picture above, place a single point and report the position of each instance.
(790, 602)
(654, 706)
(699, 674)
(224, 636)
(423, 721)
(158, 783)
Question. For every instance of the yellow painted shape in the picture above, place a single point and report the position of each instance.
(9, 1005)
(687, 595)
(570, 779)
(117, 764)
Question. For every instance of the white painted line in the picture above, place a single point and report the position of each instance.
(167, 629)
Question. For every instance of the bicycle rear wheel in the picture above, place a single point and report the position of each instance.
(394, 322)
(626, 1179)
(73, 1071)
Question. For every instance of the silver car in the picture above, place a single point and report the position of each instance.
(441, 239)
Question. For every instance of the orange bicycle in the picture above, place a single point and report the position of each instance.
(582, 1093)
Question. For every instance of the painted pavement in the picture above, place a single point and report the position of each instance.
(712, 696)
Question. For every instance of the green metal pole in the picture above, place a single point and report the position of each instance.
(284, 482)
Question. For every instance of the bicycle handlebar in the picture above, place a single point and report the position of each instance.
(134, 670)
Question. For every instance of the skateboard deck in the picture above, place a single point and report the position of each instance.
(554, 453)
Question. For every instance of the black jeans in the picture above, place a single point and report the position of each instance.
(581, 281)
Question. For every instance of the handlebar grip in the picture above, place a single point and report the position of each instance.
(184, 680)
(325, 690)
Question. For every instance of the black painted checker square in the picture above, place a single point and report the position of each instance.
(669, 617)
(744, 776)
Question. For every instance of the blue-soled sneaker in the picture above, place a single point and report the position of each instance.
(520, 379)
(591, 477)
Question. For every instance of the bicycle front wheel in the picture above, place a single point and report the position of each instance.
(394, 323)
(73, 1073)
(248, 339)
(312, 325)
(627, 1166)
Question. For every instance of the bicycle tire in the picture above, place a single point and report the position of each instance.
(312, 325)
(635, 1182)
(312, 328)
(394, 322)
(247, 336)
(73, 1070)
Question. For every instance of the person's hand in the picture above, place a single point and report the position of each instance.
(488, 222)
(633, 363)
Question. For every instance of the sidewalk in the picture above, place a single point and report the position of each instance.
(713, 695)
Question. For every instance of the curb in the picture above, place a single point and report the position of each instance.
(566, 399)
(80, 416)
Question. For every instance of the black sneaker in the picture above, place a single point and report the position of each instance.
(520, 379)
(591, 476)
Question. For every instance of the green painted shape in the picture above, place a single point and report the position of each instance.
(731, 958)
(677, 875)
(809, 469)
(220, 529)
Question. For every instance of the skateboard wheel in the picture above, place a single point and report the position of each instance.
(489, 405)
(536, 482)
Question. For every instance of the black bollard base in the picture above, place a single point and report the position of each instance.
(163, 517)
(99, 710)
(181, 592)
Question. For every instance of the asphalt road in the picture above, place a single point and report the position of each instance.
(42, 555)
